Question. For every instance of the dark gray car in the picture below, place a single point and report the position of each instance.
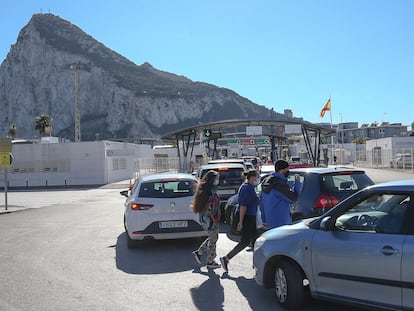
(324, 187)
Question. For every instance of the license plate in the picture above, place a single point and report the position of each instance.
(173, 224)
(228, 191)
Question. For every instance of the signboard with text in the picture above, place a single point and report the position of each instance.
(254, 130)
(249, 142)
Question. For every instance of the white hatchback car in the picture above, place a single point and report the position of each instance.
(158, 207)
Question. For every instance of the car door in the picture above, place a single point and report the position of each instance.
(407, 266)
(359, 261)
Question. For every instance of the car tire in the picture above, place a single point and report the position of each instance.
(289, 289)
(234, 220)
(228, 210)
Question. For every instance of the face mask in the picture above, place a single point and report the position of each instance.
(287, 173)
(216, 182)
(257, 182)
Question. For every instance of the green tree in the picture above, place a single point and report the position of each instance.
(42, 124)
(12, 131)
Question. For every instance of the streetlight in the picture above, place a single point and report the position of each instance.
(77, 69)
(342, 132)
(382, 124)
(383, 117)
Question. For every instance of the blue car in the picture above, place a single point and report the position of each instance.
(360, 252)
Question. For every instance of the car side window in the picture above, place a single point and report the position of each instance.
(291, 180)
(379, 213)
(408, 223)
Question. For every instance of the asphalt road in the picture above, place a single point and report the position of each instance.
(66, 250)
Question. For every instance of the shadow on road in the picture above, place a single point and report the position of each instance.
(210, 294)
(155, 257)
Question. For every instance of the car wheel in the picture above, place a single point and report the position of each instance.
(234, 220)
(289, 289)
(228, 211)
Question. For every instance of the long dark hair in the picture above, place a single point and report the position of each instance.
(203, 192)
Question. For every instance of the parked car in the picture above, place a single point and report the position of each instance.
(324, 187)
(231, 215)
(297, 162)
(158, 207)
(404, 160)
(359, 253)
(229, 160)
(231, 177)
(266, 169)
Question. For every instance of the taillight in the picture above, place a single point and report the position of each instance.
(326, 201)
(140, 206)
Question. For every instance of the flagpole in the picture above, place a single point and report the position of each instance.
(332, 138)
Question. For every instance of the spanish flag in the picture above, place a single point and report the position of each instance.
(325, 108)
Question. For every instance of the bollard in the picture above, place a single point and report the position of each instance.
(46, 182)
(65, 183)
(27, 183)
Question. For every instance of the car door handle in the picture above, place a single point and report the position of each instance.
(389, 250)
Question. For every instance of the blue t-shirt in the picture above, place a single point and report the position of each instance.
(248, 198)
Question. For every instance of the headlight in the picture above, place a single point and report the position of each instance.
(259, 242)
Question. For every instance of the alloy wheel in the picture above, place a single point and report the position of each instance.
(281, 285)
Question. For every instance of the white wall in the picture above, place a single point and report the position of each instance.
(81, 163)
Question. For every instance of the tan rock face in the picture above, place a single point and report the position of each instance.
(117, 97)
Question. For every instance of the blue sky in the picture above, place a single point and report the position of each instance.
(291, 54)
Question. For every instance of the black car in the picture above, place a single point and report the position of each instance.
(322, 189)
(231, 177)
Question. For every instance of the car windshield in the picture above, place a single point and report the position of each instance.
(229, 176)
(167, 189)
(382, 213)
(344, 181)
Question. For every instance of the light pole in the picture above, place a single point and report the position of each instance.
(77, 69)
(382, 124)
(342, 132)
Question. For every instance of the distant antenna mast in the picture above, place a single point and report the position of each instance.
(77, 69)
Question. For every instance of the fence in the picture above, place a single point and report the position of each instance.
(156, 165)
(396, 159)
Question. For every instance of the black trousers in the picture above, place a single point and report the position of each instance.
(248, 234)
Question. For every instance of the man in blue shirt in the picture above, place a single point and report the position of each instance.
(277, 196)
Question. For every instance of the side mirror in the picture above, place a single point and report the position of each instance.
(327, 224)
(124, 193)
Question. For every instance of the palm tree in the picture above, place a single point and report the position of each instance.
(12, 131)
(42, 124)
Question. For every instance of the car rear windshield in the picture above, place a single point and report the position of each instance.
(344, 181)
(228, 176)
(167, 189)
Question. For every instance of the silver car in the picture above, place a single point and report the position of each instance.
(361, 252)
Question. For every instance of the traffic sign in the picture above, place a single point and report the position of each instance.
(5, 144)
(6, 159)
(233, 142)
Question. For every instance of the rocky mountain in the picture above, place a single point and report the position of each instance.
(118, 98)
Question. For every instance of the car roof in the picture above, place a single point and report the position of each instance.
(226, 161)
(221, 165)
(325, 170)
(159, 176)
(402, 185)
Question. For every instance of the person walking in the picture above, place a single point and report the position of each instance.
(277, 196)
(248, 204)
(207, 203)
